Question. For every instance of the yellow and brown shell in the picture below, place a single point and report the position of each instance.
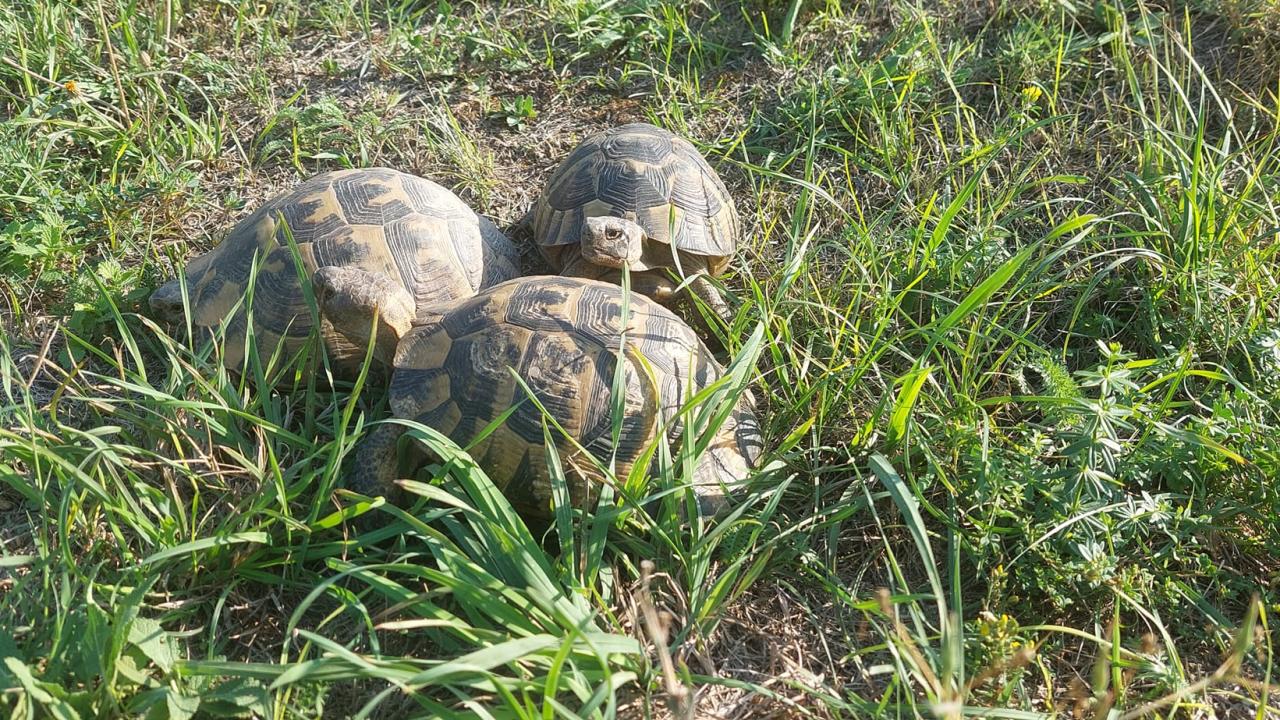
(376, 219)
(562, 336)
(645, 174)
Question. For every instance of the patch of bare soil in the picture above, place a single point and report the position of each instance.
(360, 74)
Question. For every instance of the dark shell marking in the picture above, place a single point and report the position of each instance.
(645, 174)
(562, 336)
(377, 219)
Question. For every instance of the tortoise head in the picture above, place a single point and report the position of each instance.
(351, 298)
(210, 293)
(613, 242)
(166, 302)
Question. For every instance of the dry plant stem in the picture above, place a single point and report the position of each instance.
(65, 88)
(115, 65)
(41, 356)
(1257, 686)
(1013, 662)
(29, 73)
(1104, 706)
(1226, 671)
(679, 697)
(168, 22)
(908, 644)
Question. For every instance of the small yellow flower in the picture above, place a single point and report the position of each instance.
(71, 87)
(1031, 93)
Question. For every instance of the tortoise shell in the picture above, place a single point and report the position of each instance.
(647, 175)
(562, 337)
(380, 220)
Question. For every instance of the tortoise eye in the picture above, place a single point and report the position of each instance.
(612, 233)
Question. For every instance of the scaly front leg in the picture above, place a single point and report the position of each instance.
(377, 463)
(701, 286)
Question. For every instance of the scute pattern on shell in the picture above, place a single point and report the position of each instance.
(645, 174)
(377, 219)
(562, 336)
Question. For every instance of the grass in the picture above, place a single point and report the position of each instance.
(1007, 293)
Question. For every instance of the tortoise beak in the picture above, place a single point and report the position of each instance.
(594, 256)
(166, 302)
(609, 244)
(321, 287)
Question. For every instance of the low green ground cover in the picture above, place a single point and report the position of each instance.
(1008, 292)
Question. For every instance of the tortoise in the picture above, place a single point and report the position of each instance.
(392, 230)
(562, 335)
(639, 196)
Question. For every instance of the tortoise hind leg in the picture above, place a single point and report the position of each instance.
(730, 458)
(718, 471)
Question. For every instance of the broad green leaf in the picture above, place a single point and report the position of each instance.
(902, 407)
(147, 635)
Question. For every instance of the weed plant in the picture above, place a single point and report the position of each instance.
(1007, 294)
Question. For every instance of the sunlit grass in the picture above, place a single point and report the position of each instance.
(1007, 297)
